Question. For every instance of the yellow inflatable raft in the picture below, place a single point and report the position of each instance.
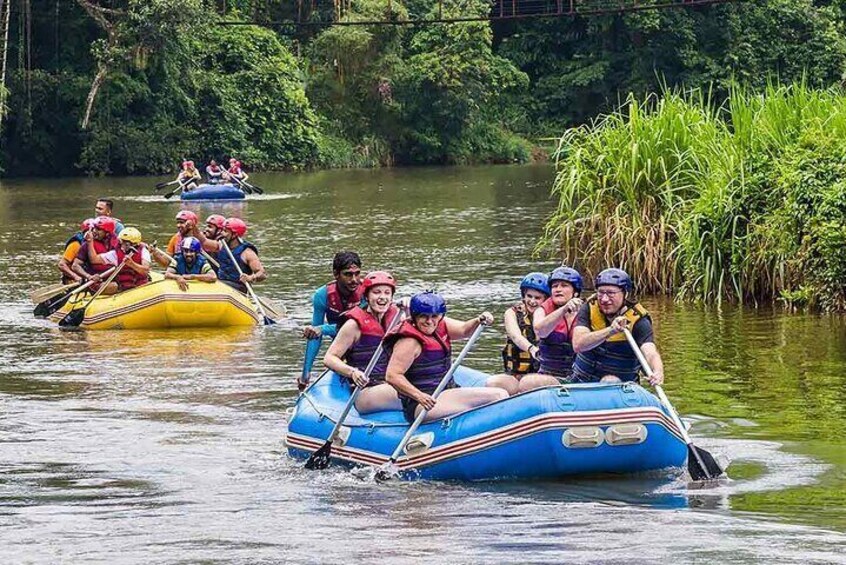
(160, 304)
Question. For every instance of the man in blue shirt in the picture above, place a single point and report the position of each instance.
(329, 301)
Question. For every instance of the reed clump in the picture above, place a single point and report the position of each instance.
(743, 200)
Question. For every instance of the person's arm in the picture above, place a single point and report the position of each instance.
(347, 336)
(143, 267)
(545, 324)
(209, 245)
(585, 340)
(405, 351)
(251, 259)
(512, 330)
(160, 257)
(644, 336)
(65, 263)
(462, 330)
(78, 267)
(206, 275)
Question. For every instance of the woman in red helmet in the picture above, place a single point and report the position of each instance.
(360, 334)
(245, 254)
(236, 173)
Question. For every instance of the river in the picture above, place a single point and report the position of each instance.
(166, 446)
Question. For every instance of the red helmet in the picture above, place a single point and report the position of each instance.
(238, 164)
(236, 226)
(233, 160)
(104, 223)
(216, 220)
(190, 163)
(187, 215)
(375, 278)
(87, 224)
(185, 164)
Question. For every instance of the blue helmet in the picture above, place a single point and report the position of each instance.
(568, 275)
(535, 281)
(615, 277)
(192, 244)
(427, 303)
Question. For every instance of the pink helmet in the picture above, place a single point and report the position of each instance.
(375, 278)
(187, 216)
(104, 223)
(236, 226)
(216, 220)
(87, 224)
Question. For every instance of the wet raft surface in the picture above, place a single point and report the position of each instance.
(166, 446)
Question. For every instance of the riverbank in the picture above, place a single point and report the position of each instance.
(741, 200)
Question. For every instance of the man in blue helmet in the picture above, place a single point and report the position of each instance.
(520, 354)
(190, 265)
(602, 352)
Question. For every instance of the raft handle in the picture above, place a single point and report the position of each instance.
(583, 436)
(419, 443)
(625, 434)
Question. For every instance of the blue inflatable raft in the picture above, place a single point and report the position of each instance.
(582, 429)
(214, 192)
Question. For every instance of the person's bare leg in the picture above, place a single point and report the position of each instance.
(537, 380)
(457, 400)
(377, 398)
(506, 382)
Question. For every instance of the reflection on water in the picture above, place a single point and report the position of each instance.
(165, 446)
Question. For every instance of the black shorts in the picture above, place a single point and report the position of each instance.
(409, 407)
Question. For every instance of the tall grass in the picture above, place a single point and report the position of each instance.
(707, 200)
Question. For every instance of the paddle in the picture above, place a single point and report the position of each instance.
(700, 464)
(179, 188)
(238, 182)
(247, 186)
(268, 321)
(320, 458)
(50, 291)
(75, 317)
(45, 308)
(389, 470)
(161, 185)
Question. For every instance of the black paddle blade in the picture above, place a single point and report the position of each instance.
(169, 194)
(269, 321)
(319, 460)
(706, 470)
(73, 318)
(46, 308)
(258, 189)
(161, 185)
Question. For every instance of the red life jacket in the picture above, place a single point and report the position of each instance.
(335, 304)
(99, 248)
(433, 362)
(127, 278)
(372, 331)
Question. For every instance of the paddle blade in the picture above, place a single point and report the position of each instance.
(170, 194)
(46, 308)
(161, 185)
(257, 189)
(387, 472)
(269, 321)
(319, 460)
(701, 465)
(73, 319)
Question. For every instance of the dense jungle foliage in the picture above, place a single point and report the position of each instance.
(132, 86)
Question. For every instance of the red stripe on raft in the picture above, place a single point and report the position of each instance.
(499, 435)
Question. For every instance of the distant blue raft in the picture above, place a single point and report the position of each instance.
(214, 192)
(557, 431)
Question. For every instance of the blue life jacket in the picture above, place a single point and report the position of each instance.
(182, 267)
(227, 270)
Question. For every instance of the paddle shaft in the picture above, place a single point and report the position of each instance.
(245, 185)
(103, 286)
(249, 288)
(367, 371)
(441, 386)
(664, 400)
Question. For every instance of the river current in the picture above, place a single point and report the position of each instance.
(167, 446)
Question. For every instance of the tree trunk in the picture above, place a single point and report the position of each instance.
(99, 79)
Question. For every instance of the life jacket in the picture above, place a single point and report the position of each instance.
(127, 278)
(215, 169)
(227, 270)
(99, 248)
(433, 362)
(182, 267)
(177, 248)
(235, 171)
(372, 332)
(78, 237)
(335, 303)
(556, 349)
(612, 357)
(515, 360)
